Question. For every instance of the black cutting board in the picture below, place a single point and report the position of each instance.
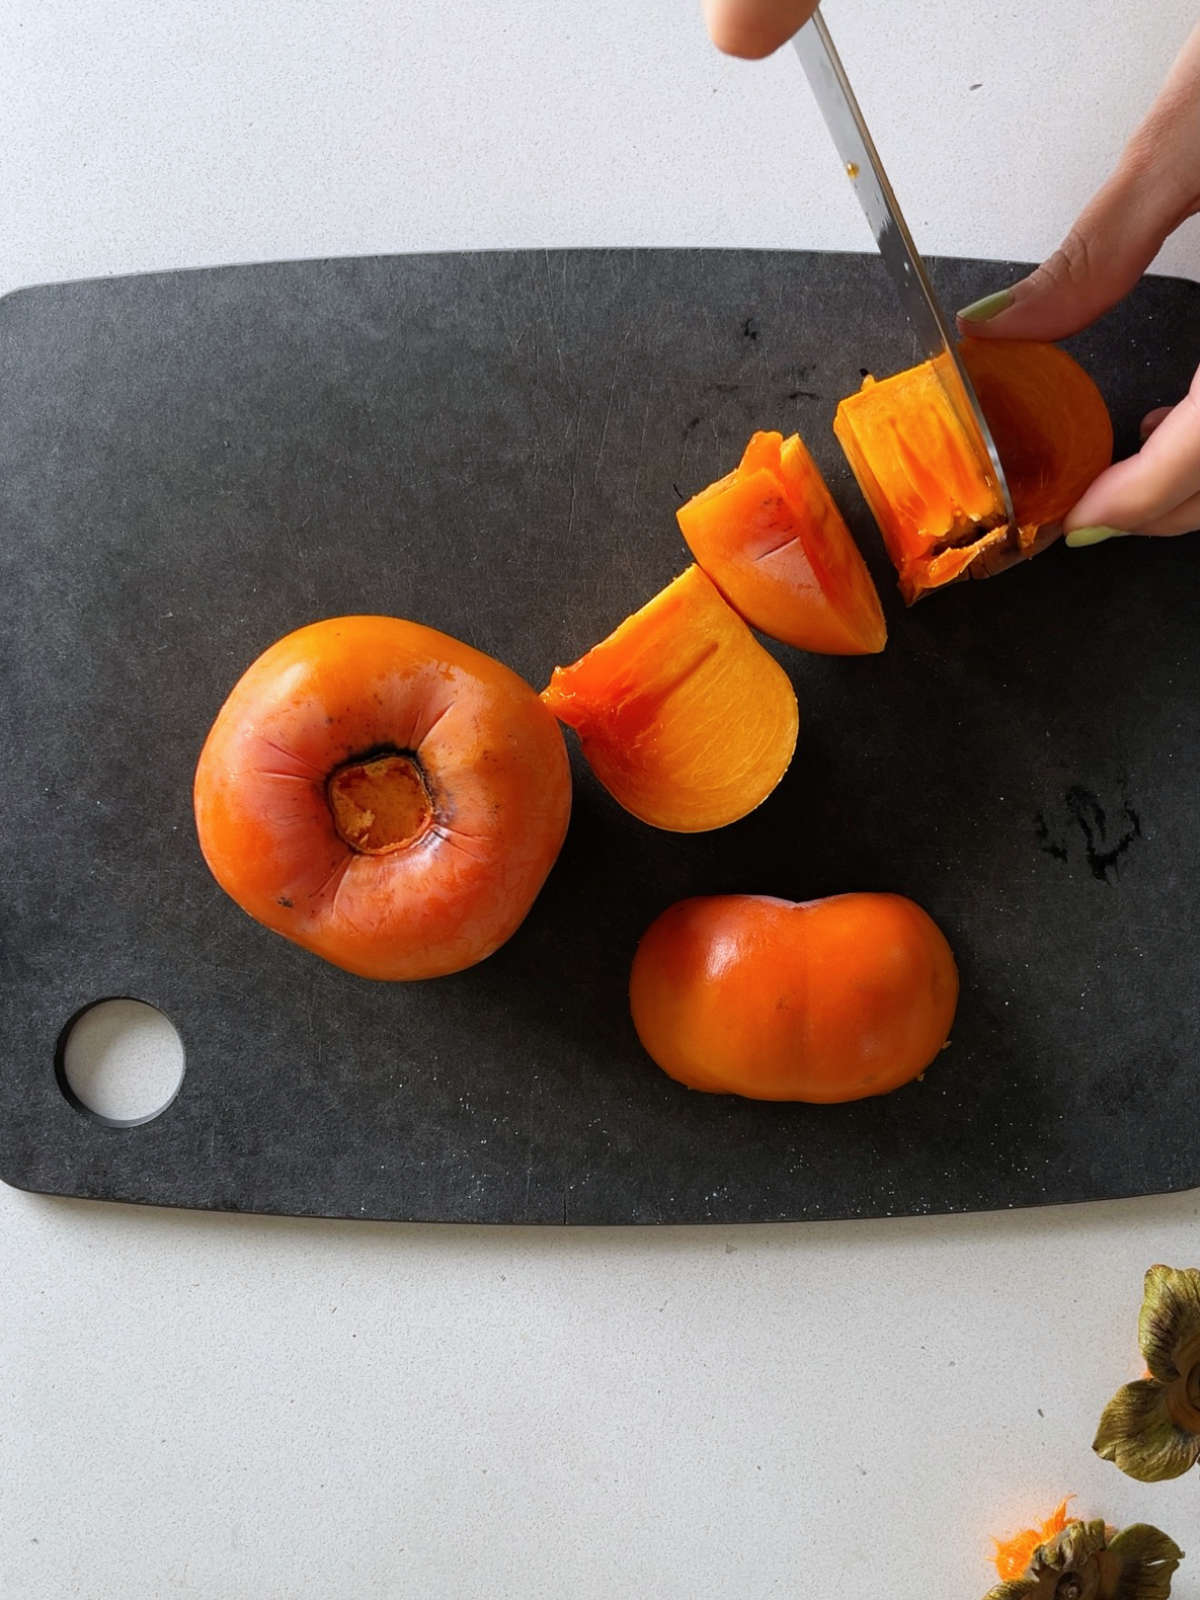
(495, 444)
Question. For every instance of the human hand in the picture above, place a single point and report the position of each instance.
(1155, 188)
(754, 28)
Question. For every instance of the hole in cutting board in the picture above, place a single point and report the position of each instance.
(120, 1061)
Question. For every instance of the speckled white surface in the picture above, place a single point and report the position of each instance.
(221, 1407)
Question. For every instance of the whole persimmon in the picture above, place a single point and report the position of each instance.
(824, 1001)
(384, 795)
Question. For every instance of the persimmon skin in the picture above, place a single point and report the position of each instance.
(823, 1001)
(492, 761)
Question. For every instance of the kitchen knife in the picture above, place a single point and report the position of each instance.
(839, 106)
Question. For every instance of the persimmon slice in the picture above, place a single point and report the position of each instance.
(771, 538)
(941, 516)
(682, 715)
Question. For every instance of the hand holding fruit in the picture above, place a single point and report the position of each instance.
(1155, 187)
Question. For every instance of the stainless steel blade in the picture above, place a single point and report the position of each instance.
(839, 106)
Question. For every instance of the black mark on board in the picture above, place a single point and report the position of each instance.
(1105, 837)
(1052, 847)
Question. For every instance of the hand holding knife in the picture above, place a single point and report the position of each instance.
(844, 118)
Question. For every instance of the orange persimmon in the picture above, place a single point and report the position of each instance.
(940, 514)
(824, 1001)
(771, 539)
(681, 713)
(383, 795)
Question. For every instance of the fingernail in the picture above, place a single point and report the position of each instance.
(990, 306)
(1080, 538)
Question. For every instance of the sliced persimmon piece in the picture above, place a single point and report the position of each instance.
(940, 512)
(682, 715)
(771, 538)
(1050, 423)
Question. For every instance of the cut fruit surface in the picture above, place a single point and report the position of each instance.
(939, 509)
(771, 538)
(682, 715)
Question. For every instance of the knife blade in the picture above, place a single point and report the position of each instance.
(839, 106)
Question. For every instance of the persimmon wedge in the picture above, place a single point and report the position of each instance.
(383, 795)
(772, 540)
(940, 513)
(682, 715)
(826, 1001)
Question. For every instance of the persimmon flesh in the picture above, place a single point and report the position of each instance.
(383, 795)
(682, 715)
(824, 1001)
(940, 512)
(772, 540)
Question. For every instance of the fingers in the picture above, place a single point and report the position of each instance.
(1156, 491)
(1155, 187)
(1099, 261)
(1184, 519)
(1151, 421)
(754, 28)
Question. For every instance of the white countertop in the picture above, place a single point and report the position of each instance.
(221, 1407)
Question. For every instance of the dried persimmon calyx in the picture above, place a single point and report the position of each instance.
(1085, 1562)
(1150, 1429)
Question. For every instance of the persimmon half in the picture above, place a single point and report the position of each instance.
(772, 540)
(823, 1001)
(384, 795)
(681, 713)
(941, 514)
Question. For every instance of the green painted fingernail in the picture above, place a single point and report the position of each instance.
(990, 306)
(1080, 538)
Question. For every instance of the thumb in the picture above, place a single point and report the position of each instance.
(1100, 260)
(1156, 185)
(754, 28)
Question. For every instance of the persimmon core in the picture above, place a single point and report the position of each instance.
(380, 805)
